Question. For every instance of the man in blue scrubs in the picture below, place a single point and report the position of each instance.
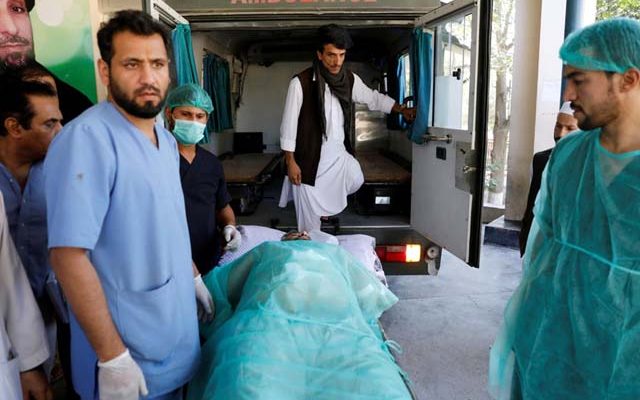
(205, 190)
(118, 235)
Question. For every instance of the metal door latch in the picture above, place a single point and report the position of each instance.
(466, 167)
(435, 138)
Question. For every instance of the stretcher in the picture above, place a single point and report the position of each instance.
(209, 380)
(386, 188)
(361, 246)
(246, 175)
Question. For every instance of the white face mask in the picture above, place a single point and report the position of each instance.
(188, 132)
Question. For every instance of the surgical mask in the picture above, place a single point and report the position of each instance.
(188, 132)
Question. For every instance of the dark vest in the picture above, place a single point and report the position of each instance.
(309, 135)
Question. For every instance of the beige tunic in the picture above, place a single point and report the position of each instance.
(339, 174)
(23, 342)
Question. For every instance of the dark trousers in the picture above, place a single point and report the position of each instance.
(64, 351)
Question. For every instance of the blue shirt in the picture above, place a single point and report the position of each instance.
(111, 191)
(27, 216)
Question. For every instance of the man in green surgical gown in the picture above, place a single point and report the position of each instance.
(572, 328)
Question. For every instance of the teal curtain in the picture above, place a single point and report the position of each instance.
(185, 64)
(400, 73)
(216, 83)
(421, 54)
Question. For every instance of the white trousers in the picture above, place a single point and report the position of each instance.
(339, 174)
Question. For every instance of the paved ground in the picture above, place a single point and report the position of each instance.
(446, 324)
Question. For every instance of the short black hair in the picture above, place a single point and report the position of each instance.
(14, 102)
(133, 21)
(335, 35)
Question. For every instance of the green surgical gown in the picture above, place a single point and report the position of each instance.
(572, 328)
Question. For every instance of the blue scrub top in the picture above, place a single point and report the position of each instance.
(111, 191)
(27, 217)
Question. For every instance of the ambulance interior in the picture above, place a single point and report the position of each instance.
(264, 53)
(268, 59)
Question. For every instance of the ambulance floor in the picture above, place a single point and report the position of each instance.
(285, 218)
(447, 323)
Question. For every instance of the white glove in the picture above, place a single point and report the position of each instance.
(232, 236)
(121, 379)
(206, 306)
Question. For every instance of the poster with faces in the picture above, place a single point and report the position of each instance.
(63, 41)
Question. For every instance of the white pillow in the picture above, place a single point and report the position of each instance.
(362, 247)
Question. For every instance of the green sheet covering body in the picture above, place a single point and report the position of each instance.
(296, 320)
(572, 328)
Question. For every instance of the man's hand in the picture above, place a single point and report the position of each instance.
(232, 236)
(206, 306)
(121, 379)
(409, 114)
(294, 172)
(34, 385)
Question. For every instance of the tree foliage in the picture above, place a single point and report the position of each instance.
(618, 8)
(502, 45)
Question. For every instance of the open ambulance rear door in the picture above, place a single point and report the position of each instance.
(448, 167)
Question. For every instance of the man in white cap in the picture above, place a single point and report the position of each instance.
(565, 123)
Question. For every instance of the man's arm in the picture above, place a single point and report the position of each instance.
(289, 130)
(225, 216)
(35, 385)
(84, 293)
(376, 101)
(293, 169)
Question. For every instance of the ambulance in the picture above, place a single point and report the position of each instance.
(424, 183)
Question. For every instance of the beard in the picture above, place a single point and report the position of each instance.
(15, 60)
(19, 58)
(600, 114)
(146, 110)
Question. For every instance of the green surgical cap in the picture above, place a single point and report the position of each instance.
(610, 45)
(189, 95)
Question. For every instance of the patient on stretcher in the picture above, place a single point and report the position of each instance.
(296, 319)
(360, 246)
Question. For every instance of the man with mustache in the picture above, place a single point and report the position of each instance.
(29, 118)
(16, 49)
(118, 236)
(571, 329)
(565, 124)
(317, 124)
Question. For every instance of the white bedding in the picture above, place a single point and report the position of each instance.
(362, 247)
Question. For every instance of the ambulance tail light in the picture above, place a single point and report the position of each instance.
(406, 253)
